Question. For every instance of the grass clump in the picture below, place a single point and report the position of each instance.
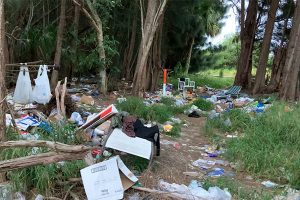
(270, 147)
(203, 104)
(156, 112)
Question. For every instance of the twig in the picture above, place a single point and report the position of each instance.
(69, 190)
(57, 98)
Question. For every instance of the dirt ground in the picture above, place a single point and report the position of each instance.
(171, 164)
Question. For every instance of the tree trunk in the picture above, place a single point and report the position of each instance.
(128, 54)
(154, 13)
(59, 39)
(278, 65)
(75, 41)
(99, 30)
(265, 50)
(247, 40)
(2, 78)
(188, 61)
(290, 87)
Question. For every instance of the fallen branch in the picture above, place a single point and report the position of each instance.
(60, 147)
(40, 159)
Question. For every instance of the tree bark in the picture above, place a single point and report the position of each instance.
(40, 159)
(243, 74)
(59, 39)
(128, 55)
(188, 61)
(260, 78)
(2, 78)
(290, 87)
(278, 65)
(154, 13)
(75, 41)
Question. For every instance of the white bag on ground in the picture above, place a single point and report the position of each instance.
(23, 90)
(42, 92)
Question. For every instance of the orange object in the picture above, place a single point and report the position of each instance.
(165, 76)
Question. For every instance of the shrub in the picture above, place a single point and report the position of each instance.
(203, 104)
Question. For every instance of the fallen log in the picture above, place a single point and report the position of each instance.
(40, 159)
(56, 146)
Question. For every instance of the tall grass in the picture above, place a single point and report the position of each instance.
(270, 147)
(43, 178)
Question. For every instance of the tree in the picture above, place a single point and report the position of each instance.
(60, 35)
(290, 82)
(155, 11)
(265, 49)
(2, 78)
(247, 36)
(96, 22)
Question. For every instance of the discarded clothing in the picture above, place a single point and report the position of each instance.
(128, 125)
(149, 133)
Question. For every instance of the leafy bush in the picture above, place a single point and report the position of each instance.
(203, 104)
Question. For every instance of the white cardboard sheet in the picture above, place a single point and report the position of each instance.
(102, 181)
(132, 145)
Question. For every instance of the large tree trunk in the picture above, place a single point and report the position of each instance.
(290, 87)
(59, 39)
(188, 61)
(154, 13)
(2, 78)
(260, 78)
(243, 74)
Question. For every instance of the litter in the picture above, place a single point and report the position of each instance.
(216, 172)
(42, 92)
(25, 122)
(104, 181)
(203, 164)
(269, 184)
(167, 128)
(193, 174)
(23, 90)
(76, 118)
(193, 192)
(87, 100)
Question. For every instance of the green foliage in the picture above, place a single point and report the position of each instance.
(167, 101)
(237, 190)
(268, 141)
(203, 104)
(202, 79)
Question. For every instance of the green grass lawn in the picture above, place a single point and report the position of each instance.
(270, 147)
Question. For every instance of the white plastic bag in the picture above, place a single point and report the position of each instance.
(42, 92)
(23, 90)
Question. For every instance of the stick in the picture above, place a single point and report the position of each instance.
(57, 98)
(60, 147)
(40, 159)
(168, 194)
(62, 98)
(69, 190)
